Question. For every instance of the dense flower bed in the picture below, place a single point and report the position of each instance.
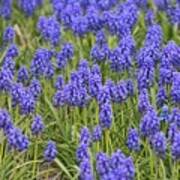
(90, 89)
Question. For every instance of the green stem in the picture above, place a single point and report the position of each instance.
(35, 158)
(107, 140)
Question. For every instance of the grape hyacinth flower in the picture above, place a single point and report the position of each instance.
(112, 89)
(130, 87)
(95, 84)
(61, 60)
(41, 63)
(8, 34)
(84, 71)
(101, 38)
(105, 115)
(12, 51)
(175, 147)
(58, 8)
(164, 115)
(159, 143)
(50, 151)
(59, 82)
(82, 153)
(80, 26)
(161, 97)
(28, 7)
(123, 166)
(172, 130)
(37, 125)
(5, 119)
(175, 90)
(86, 172)
(171, 53)
(95, 70)
(106, 5)
(59, 98)
(76, 94)
(66, 16)
(95, 81)
(149, 18)
(161, 4)
(23, 75)
(9, 65)
(97, 133)
(50, 30)
(103, 96)
(145, 77)
(110, 20)
(6, 78)
(143, 101)
(166, 75)
(154, 36)
(121, 91)
(16, 92)
(175, 116)
(35, 88)
(173, 14)
(102, 164)
(100, 54)
(133, 140)
(67, 51)
(6, 9)
(27, 102)
(85, 137)
(150, 123)
(17, 140)
(119, 60)
(118, 166)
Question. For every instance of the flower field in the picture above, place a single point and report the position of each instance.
(90, 90)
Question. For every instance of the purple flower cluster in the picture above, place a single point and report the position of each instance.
(97, 133)
(121, 57)
(16, 139)
(133, 140)
(5, 120)
(175, 90)
(64, 55)
(95, 81)
(148, 56)
(159, 143)
(100, 51)
(105, 115)
(175, 117)
(26, 97)
(8, 34)
(12, 51)
(118, 166)
(29, 7)
(164, 115)
(161, 97)
(49, 29)
(150, 123)
(37, 125)
(50, 151)
(23, 75)
(175, 148)
(6, 9)
(82, 155)
(143, 101)
(41, 63)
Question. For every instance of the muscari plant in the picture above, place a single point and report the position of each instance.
(90, 89)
